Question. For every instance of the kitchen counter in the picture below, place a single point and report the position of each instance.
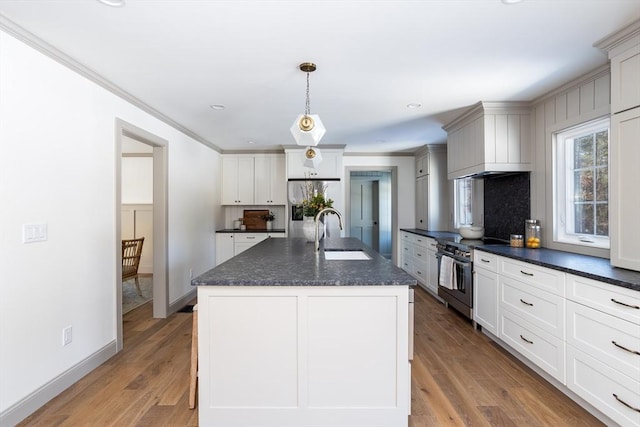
(233, 230)
(581, 265)
(293, 262)
(283, 333)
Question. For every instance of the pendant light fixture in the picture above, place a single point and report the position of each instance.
(308, 128)
(312, 157)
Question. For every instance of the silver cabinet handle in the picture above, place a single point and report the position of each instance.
(626, 305)
(526, 303)
(526, 274)
(525, 340)
(625, 403)
(625, 348)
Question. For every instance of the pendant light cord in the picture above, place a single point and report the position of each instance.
(307, 106)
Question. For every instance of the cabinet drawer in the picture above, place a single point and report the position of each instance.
(615, 300)
(605, 337)
(420, 253)
(420, 240)
(543, 309)
(599, 385)
(485, 260)
(543, 278)
(248, 237)
(540, 347)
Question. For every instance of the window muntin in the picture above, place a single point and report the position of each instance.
(463, 201)
(581, 208)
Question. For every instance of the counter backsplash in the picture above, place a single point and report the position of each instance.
(507, 203)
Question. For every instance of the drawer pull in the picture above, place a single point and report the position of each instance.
(525, 340)
(484, 260)
(625, 403)
(250, 237)
(526, 303)
(625, 348)
(526, 274)
(419, 272)
(626, 305)
(419, 254)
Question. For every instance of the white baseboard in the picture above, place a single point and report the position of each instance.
(34, 401)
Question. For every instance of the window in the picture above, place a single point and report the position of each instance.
(581, 185)
(463, 201)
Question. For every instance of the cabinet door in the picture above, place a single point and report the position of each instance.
(625, 80)
(224, 247)
(485, 299)
(422, 202)
(624, 175)
(329, 167)
(237, 180)
(270, 181)
(432, 279)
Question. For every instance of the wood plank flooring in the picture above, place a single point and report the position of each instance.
(459, 378)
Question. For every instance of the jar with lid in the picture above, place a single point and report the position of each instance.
(532, 233)
(516, 241)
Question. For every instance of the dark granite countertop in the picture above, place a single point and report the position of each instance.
(581, 265)
(293, 262)
(232, 230)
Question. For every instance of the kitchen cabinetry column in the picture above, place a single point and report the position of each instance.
(624, 145)
(432, 195)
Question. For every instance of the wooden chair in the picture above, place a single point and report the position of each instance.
(131, 252)
(193, 375)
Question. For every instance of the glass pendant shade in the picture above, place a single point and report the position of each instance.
(312, 157)
(313, 135)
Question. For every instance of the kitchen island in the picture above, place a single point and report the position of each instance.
(289, 338)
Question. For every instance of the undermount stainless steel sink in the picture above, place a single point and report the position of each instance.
(345, 255)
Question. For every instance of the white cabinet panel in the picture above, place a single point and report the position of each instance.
(329, 167)
(237, 180)
(224, 247)
(432, 193)
(270, 180)
(543, 278)
(625, 79)
(624, 207)
(485, 299)
(614, 300)
(600, 384)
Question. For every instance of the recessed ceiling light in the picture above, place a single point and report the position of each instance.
(511, 1)
(112, 3)
(414, 105)
(217, 107)
(250, 142)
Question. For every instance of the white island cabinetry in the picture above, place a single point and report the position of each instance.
(300, 356)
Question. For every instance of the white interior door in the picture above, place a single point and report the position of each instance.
(365, 212)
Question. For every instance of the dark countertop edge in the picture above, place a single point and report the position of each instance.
(611, 277)
(429, 233)
(232, 230)
(397, 278)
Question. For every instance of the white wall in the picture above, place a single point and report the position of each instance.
(57, 166)
(406, 194)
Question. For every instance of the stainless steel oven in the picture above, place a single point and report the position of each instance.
(461, 296)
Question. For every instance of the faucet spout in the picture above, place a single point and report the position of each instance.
(317, 219)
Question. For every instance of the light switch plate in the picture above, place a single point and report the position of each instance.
(32, 233)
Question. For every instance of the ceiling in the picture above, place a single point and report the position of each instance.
(374, 58)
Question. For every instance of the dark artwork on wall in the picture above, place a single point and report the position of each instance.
(507, 203)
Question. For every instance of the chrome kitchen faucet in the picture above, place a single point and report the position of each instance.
(317, 242)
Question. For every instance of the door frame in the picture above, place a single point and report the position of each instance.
(160, 227)
(394, 201)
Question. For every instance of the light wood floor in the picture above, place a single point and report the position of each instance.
(460, 378)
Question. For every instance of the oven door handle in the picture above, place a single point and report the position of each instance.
(455, 261)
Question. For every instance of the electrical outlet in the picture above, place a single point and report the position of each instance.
(67, 335)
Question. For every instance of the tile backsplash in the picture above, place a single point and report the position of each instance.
(507, 203)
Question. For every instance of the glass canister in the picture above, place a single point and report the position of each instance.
(516, 241)
(532, 233)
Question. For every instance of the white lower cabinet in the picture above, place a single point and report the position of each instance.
(537, 345)
(229, 245)
(419, 260)
(582, 332)
(603, 347)
(303, 356)
(485, 291)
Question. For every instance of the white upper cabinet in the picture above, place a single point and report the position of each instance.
(624, 150)
(490, 137)
(624, 52)
(270, 180)
(422, 165)
(432, 194)
(329, 167)
(237, 180)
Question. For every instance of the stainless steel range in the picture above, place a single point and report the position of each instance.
(460, 296)
(458, 293)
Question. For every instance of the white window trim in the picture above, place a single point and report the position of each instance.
(456, 191)
(563, 184)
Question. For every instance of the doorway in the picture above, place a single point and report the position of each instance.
(155, 151)
(371, 208)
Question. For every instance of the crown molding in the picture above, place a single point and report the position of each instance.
(57, 55)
